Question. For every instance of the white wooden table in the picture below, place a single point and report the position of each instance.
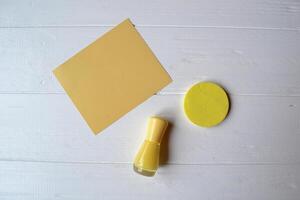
(251, 47)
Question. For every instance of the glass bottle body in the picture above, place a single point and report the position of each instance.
(147, 159)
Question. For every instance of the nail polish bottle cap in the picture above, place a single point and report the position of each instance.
(156, 129)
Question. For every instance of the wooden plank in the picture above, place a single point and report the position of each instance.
(43, 181)
(42, 127)
(214, 13)
(243, 61)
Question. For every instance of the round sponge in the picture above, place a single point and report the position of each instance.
(206, 104)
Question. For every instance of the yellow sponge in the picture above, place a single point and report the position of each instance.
(206, 104)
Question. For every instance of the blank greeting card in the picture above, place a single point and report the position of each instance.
(111, 76)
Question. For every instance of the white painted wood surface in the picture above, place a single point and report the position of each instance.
(241, 59)
(251, 47)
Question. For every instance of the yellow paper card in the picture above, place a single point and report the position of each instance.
(111, 76)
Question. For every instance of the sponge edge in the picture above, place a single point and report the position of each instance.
(206, 104)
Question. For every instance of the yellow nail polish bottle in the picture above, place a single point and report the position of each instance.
(147, 159)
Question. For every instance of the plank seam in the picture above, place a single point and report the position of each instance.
(157, 94)
(154, 26)
(177, 164)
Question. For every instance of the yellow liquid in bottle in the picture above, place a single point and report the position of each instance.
(147, 159)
